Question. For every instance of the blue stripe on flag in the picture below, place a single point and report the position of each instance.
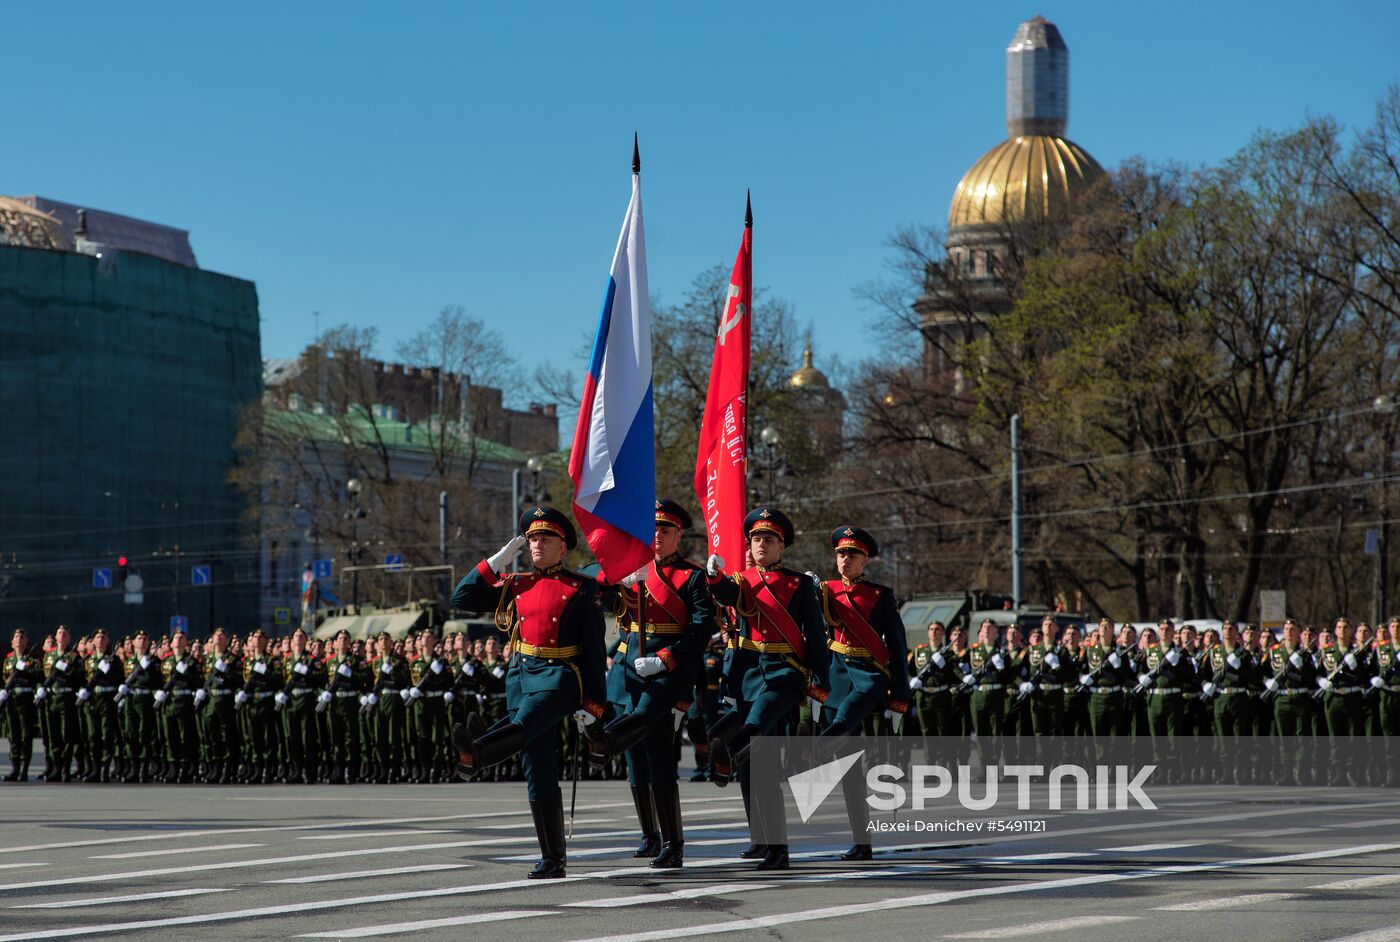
(600, 342)
(630, 504)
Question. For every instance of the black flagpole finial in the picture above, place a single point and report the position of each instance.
(748, 209)
(636, 155)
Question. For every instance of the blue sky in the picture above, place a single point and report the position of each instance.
(376, 164)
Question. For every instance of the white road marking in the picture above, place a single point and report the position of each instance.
(1378, 824)
(1388, 934)
(1036, 928)
(14, 866)
(1146, 848)
(762, 923)
(591, 852)
(1225, 902)
(691, 892)
(1279, 832)
(394, 928)
(357, 874)
(399, 833)
(170, 851)
(133, 898)
(1036, 858)
(1360, 883)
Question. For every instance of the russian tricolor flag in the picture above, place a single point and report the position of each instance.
(613, 462)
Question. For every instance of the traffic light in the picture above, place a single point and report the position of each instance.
(121, 570)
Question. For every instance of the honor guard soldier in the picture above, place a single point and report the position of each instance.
(1166, 672)
(1232, 672)
(1051, 672)
(104, 676)
(555, 620)
(386, 707)
(63, 678)
(222, 677)
(1290, 682)
(427, 699)
(989, 669)
(869, 654)
(780, 625)
(262, 680)
(137, 694)
(935, 676)
(296, 701)
(666, 618)
(23, 673)
(175, 703)
(347, 680)
(1347, 676)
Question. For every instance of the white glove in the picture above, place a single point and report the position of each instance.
(1114, 660)
(104, 665)
(372, 698)
(403, 695)
(1350, 660)
(200, 696)
(447, 696)
(260, 667)
(1270, 683)
(998, 662)
(344, 670)
(632, 578)
(506, 553)
(1053, 660)
(1085, 680)
(160, 697)
(181, 667)
(436, 666)
(280, 698)
(4, 695)
(300, 669)
(969, 680)
(220, 665)
(939, 661)
(240, 698)
(364, 700)
(470, 669)
(145, 661)
(325, 697)
(385, 667)
(1233, 660)
(40, 694)
(584, 718)
(61, 665)
(1296, 659)
(815, 706)
(1145, 680)
(1208, 688)
(714, 565)
(1026, 687)
(915, 683)
(123, 689)
(1377, 683)
(1173, 656)
(1324, 683)
(414, 693)
(646, 666)
(896, 720)
(83, 694)
(21, 662)
(498, 671)
(480, 698)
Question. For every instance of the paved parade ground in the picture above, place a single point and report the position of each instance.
(449, 861)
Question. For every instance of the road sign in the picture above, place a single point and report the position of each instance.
(322, 568)
(282, 616)
(132, 586)
(179, 623)
(102, 578)
(1373, 542)
(1273, 608)
(394, 560)
(201, 575)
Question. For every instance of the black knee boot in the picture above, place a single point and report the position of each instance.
(668, 813)
(549, 828)
(643, 801)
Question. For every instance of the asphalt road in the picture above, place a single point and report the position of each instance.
(449, 861)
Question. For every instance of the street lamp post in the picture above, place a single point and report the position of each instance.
(772, 458)
(1384, 406)
(353, 488)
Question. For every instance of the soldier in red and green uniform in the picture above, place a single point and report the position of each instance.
(556, 624)
(386, 706)
(936, 675)
(218, 718)
(104, 677)
(867, 674)
(347, 680)
(262, 680)
(63, 678)
(426, 701)
(1347, 672)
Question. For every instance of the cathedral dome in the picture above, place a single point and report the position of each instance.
(808, 377)
(1029, 178)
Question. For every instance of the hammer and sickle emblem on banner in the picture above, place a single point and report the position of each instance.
(729, 324)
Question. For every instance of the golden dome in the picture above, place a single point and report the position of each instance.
(808, 377)
(22, 224)
(1031, 177)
